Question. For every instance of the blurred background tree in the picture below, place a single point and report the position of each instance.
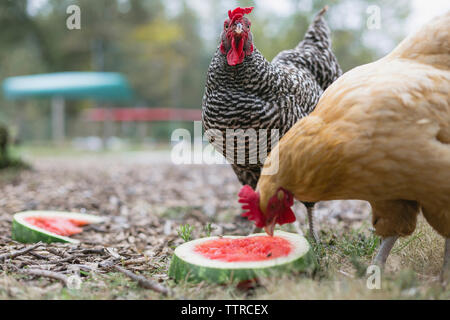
(163, 47)
(4, 138)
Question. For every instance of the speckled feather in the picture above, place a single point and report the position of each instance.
(260, 94)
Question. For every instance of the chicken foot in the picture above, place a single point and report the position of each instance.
(385, 248)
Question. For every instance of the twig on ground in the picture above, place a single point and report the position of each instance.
(93, 251)
(113, 253)
(46, 273)
(108, 263)
(87, 268)
(143, 281)
(68, 259)
(14, 254)
(56, 252)
(28, 262)
(134, 261)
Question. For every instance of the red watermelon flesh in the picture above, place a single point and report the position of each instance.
(58, 225)
(244, 249)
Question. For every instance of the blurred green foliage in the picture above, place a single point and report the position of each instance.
(4, 137)
(164, 52)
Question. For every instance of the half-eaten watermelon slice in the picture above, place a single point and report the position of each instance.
(233, 258)
(49, 226)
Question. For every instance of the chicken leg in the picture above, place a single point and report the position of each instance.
(385, 248)
(445, 275)
(312, 230)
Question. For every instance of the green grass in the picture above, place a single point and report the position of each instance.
(185, 232)
(356, 243)
(208, 229)
(408, 242)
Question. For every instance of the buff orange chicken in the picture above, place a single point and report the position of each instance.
(379, 133)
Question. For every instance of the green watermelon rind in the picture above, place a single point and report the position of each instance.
(23, 232)
(181, 270)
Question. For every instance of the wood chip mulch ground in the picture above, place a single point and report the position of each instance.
(144, 204)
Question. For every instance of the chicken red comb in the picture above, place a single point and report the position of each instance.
(239, 13)
(250, 200)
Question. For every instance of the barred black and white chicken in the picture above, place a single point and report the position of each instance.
(245, 91)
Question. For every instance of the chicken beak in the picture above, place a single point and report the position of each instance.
(238, 28)
(270, 227)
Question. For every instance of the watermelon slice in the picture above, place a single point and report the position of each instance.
(49, 226)
(233, 258)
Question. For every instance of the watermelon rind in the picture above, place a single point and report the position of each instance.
(24, 232)
(188, 265)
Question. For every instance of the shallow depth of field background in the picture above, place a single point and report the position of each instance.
(164, 49)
